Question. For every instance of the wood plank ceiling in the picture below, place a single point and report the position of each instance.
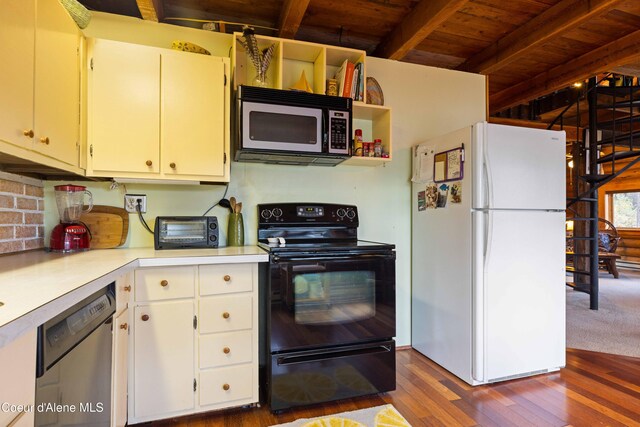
(527, 48)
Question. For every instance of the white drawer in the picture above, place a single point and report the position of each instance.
(226, 278)
(155, 284)
(225, 313)
(226, 349)
(238, 381)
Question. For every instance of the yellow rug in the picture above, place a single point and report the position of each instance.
(379, 416)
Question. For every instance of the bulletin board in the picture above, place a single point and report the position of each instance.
(449, 165)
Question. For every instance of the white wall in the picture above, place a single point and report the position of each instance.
(426, 102)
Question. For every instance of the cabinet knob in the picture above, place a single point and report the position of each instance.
(125, 326)
(145, 317)
(45, 140)
(172, 165)
(149, 163)
(226, 277)
(164, 283)
(226, 314)
(226, 350)
(226, 387)
(28, 132)
(127, 288)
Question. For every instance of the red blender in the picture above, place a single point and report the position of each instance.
(71, 235)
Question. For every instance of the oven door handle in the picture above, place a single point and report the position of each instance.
(278, 258)
(320, 356)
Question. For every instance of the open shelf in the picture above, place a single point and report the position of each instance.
(319, 63)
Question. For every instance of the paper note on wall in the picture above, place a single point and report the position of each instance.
(423, 163)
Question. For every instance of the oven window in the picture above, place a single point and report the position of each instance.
(176, 231)
(325, 298)
(299, 129)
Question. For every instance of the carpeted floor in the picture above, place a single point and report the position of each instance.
(615, 327)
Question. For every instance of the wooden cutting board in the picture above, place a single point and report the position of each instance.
(109, 226)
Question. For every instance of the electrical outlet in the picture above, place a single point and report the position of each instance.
(131, 202)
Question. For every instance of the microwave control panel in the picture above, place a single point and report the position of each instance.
(339, 132)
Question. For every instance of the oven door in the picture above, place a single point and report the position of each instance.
(281, 127)
(333, 299)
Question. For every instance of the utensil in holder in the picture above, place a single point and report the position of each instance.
(235, 230)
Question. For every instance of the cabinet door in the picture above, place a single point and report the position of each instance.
(119, 370)
(18, 373)
(193, 115)
(57, 83)
(124, 108)
(163, 359)
(17, 34)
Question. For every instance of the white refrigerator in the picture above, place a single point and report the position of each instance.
(488, 272)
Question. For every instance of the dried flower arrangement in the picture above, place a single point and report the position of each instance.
(259, 58)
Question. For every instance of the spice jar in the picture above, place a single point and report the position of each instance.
(365, 149)
(377, 148)
(357, 143)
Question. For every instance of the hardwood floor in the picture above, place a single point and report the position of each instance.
(594, 389)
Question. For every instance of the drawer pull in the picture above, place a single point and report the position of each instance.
(226, 387)
(172, 165)
(127, 288)
(227, 278)
(45, 140)
(164, 283)
(124, 326)
(145, 317)
(149, 163)
(226, 350)
(226, 315)
(28, 133)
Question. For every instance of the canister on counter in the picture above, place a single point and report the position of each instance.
(357, 143)
(377, 148)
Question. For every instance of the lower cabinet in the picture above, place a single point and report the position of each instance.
(18, 380)
(163, 379)
(193, 349)
(120, 364)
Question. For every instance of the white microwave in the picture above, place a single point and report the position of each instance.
(290, 127)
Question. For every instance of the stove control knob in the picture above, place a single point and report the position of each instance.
(341, 213)
(351, 214)
(277, 212)
(266, 214)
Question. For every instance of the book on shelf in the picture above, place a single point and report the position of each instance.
(340, 76)
(344, 76)
(358, 85)
(348, 79)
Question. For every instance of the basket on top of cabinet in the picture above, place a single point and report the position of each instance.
(319, 63)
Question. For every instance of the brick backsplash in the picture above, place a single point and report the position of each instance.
(21, 214)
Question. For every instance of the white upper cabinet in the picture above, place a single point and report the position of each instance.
(156, 113)
(40, 84)
(124, 99)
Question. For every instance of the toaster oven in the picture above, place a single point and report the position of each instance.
(182, 232)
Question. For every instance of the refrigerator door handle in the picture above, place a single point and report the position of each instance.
(482, 249)
(486, 169)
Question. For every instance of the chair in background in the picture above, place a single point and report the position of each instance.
(608, 239)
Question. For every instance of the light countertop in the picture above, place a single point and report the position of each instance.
(35, 286)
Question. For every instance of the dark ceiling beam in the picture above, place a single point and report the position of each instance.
(624, 50)
(558, 19)
(151, 10)
(425, 18)
(290, 18)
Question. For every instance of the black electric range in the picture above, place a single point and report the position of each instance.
(327, 306)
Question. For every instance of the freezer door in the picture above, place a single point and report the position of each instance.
(518, 168)
(519, 293)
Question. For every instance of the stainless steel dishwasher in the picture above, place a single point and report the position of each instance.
(73, 367)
